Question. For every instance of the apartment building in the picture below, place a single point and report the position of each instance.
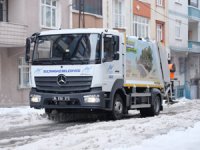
(184, 44)
(150, 19)
(159, 24)
(117, 14)
(141, 19)
(93, 13)
(113, 14)
(160, 20)
(178, 41)
(193, 60)
(18, 20)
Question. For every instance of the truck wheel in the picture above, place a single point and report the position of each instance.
(118, 107)
(154, 109)
(156, 105)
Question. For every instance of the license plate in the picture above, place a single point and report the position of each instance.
(60, 98)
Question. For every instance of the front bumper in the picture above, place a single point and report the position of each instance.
(74, 101)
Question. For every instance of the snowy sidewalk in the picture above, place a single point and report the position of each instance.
(15, 117)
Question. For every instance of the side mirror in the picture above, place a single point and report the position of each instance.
(28, 50)
(116, 56)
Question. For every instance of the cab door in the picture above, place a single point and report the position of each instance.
(112, 61)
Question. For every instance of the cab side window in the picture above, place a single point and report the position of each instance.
(111, 46)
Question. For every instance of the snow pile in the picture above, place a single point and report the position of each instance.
(166, 130)
(182, 140)
(20, 117)
(183, 99)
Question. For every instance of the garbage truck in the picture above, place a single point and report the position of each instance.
(96, 70)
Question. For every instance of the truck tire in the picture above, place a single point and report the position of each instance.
(154, 109)
(118, 107)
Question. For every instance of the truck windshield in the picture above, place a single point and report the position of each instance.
(67, 49)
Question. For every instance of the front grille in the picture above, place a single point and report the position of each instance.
(73, 84)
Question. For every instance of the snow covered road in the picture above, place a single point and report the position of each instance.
(25, 128)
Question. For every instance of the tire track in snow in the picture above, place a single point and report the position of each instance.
(109, 134)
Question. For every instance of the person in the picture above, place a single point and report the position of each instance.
(172, 69)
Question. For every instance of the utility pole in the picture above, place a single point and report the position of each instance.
(81, 14)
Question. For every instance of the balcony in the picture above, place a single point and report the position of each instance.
(193, 13)
(194, 46)
(12, 35)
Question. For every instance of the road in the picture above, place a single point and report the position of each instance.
(101, 134)
(41, 131)
(30, 132)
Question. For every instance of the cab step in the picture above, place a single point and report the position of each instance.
(140, 106)
(140, 94)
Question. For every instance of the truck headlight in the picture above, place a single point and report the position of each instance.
(91, 98)
(35, 98)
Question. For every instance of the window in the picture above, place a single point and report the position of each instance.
(49, 13)
(24, 79)
(178, 29)
(160, 3)
(3, 10)
(118, 13)
(111, 46)
(90, 6)
(193, 3)
(141, 26)
(160, 32)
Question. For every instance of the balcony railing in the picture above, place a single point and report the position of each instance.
(193, 12)
(12, 35)
(194, 46)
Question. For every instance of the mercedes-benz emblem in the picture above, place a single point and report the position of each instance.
(61, 80)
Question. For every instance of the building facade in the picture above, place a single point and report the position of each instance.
(174, 23)
(193, 59)
(18, 20)
(159, 25)
(117, 14)
(178, 42)
(150, 19)
(141, 19)
(184, 45)
(112, 14)
(93, 13)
